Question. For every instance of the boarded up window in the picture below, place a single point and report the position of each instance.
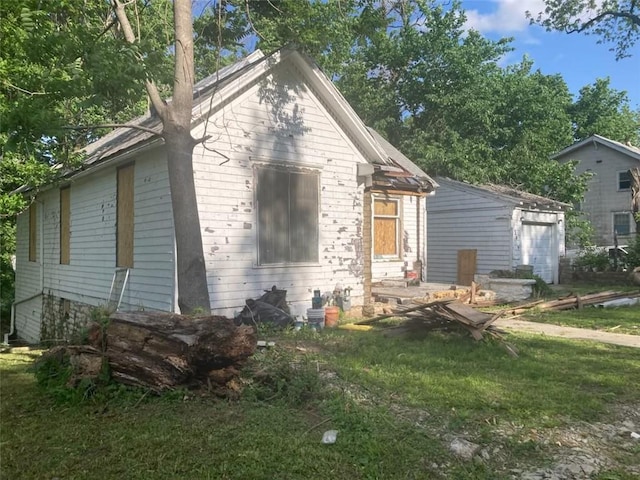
(33, 232)
(287, 216)
(386, 228)
(65, 225)
(124, 221)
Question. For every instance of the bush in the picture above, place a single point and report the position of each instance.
(633, 257)
(593, 260)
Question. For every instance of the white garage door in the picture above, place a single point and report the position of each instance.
(539, 249)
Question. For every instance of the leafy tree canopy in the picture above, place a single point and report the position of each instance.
(614, 21)
(605, 111)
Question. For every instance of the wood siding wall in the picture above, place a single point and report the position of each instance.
(603, 198)
(279, 121)
(87, 278)
(458, 220)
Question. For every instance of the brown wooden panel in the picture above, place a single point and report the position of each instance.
(385, 240)
(385, 207)
(33, 232)
(466, 266)
(125, 215)
(65, 225)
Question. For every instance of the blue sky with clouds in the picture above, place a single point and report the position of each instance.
(577, 57)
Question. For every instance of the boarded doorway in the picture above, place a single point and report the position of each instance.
(466, 266)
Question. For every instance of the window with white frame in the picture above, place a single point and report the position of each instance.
(386, 228)
(622, 223)
(287, 204)
(624, 180)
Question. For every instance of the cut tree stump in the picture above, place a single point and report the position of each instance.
(162, 351)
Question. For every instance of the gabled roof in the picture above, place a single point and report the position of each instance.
(632, 151)
(212, 92)
(509, 195)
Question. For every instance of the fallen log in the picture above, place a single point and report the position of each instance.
(161, 351)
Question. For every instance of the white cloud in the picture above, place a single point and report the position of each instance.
(508, 17)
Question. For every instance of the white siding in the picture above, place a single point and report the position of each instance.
(28, 285)
(298, 132)
(87, 278)
(603, 198)
(460, 220)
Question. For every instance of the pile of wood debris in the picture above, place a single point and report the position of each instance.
(449, 313)
(441, 315)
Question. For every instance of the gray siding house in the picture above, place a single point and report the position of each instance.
(607, 202)
(480, 228)
(293, 190)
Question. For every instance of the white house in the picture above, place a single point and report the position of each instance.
(607, 201)
(475, 229)
(293, 190)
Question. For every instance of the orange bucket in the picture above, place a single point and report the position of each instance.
(331, 316)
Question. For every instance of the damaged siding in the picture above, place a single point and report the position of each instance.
(279, 122)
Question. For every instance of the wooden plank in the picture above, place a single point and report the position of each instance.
(403, 311)
(467, 260)
(125, 215)
(472, 315)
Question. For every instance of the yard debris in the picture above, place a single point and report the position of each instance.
(443, 314)
(271, 308)
(571, 302)
(161, 351)
(329, 437)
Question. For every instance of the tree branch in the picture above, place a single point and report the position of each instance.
(635, 19)
(130, 37)
(11, 85)
(113, 125)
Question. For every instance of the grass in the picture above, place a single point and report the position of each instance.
(624, 320)
(396, 404)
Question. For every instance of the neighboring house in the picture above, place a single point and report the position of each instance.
(607, 202)
(293, 190)
(473, 229)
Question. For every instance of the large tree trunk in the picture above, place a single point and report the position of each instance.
(162, 351)
(193, 292)
(635, 197)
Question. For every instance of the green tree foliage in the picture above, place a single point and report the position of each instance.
(614, 21)
(439, 92)
(605, 111)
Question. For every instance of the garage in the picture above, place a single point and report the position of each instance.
(491, 227)
(539, 249)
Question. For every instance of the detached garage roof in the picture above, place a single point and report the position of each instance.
(507, 194)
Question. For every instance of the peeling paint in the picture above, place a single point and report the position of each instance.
(209, 230)
(215, 248)
(342, 229)
(247, 226)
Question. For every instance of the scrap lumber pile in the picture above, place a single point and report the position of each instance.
(571, 302)
(160, 351)
(440, 314)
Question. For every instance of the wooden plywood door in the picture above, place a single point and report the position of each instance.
(466, 266)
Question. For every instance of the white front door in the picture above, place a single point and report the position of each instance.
(539, 249)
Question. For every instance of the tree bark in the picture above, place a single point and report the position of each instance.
(193, 291)
(635, 197)
(161, 351)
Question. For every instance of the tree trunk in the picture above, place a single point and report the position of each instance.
(162, 351)
(635, 197)
(193, 291)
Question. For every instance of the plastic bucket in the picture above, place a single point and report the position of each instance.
(331, 316)
(315, 317)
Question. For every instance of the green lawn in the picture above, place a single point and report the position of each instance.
(618, 320)
(396, 404)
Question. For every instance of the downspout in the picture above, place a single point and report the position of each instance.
(12, 329)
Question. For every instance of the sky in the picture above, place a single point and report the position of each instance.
(577, 57)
